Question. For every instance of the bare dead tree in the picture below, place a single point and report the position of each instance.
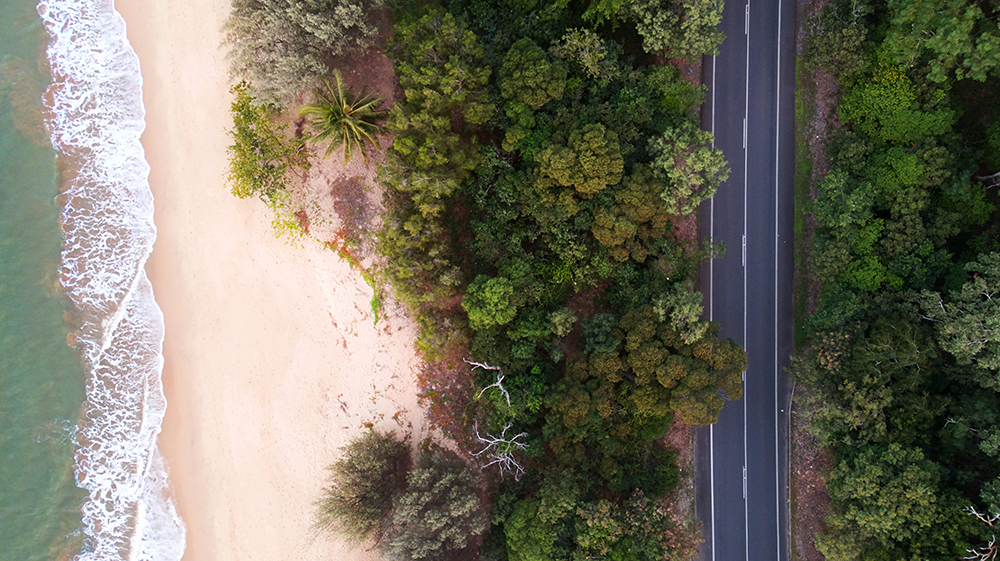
(500, 450)
(993, 179)
(498, 384)
(990, 550)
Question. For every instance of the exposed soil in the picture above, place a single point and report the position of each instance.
(810, 501)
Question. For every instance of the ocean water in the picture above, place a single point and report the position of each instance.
(81, 402)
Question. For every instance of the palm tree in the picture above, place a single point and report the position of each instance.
(343, 119)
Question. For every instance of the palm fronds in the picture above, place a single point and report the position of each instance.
(343, 119)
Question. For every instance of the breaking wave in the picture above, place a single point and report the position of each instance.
(95, 119)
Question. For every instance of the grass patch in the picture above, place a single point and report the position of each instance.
(805, 93)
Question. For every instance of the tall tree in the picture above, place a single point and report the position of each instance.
(530, 76)
(683, 28)
(440, 514)
(968, 321)
(363, 483)
(684, 158)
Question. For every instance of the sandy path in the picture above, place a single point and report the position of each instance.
(271, 358)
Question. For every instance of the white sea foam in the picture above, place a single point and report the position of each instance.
(95, 119)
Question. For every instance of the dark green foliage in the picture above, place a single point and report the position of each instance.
(598, 333)
(343, 119)
(505, 228)
(440, 514)
(283, 47)
(363, 483)
(901, 364)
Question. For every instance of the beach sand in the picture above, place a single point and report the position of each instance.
(272, 358)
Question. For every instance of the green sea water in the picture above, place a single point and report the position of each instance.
(41, 379)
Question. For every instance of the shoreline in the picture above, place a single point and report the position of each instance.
(271, 358)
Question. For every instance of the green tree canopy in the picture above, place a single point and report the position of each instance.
(631, 227)
(440, 513)
(968, 321)
(889, 492)
(363, 483)
(488, 302)
(589, 160)
(261, 154)
(684, 158)
(954, 36)
(884, 106)
(684, 28)
(528, 75)
(586, 49)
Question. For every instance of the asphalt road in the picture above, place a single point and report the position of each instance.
(742, 461)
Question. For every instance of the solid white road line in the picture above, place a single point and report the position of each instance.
(711, 316)
(746, 109)
(777, 191)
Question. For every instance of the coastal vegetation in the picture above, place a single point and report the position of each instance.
(539, 195)
(900, 361)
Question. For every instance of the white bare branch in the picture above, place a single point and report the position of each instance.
(499, 450)
(989, 551)
(498, 384)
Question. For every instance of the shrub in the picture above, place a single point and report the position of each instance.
(363, 484)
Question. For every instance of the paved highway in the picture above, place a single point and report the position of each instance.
(742, 461)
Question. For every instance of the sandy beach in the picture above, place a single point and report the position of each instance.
(272, 356)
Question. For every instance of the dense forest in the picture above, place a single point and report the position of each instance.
(902, 359)
(546, 162)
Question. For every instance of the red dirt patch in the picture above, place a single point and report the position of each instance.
(810, 500)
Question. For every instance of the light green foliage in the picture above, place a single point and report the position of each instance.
(681, 305)
(637, 220)
(889, 492)
(283, 46)
(955, 36)
(343, 119)
(670, 91)
(261, 154)
(528, 75)
(363, 483)
(684, 28)
(589, 161)
(528, 538)
(488, 302)
(599, 528)
(968, 321)
(589, 51)
(884, 106)
(561, 321)
(440, 513)
(601, 11)
(684, 158)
